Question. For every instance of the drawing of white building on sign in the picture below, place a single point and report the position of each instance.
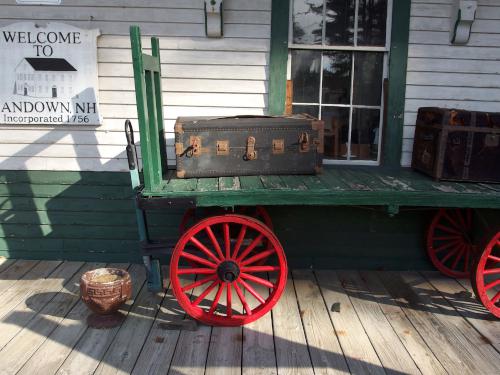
(44, 78)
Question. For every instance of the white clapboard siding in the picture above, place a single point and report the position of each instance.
(189, 99)
(189, 43)
(451, 76)
(189, 85)
(201, 76)
(191, 71)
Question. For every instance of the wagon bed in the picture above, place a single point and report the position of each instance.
(336, 186)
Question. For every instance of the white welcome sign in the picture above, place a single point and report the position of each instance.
(48, 75)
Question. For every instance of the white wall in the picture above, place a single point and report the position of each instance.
(202, 76)
(443, 75)
(228, 76)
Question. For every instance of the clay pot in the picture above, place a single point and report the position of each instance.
(104, 290)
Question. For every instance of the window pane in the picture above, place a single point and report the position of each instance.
(307, 21)
(312, 110)
(306, 67)
(364, 137)
(337, 77)
(339, 29)
(368, 71)
(372, 16)
(336, 131)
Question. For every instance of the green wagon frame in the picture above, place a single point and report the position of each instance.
(450, 238)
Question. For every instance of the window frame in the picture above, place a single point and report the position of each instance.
(353, 49)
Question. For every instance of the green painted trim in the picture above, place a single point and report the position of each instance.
(278, 56)
(393, 132)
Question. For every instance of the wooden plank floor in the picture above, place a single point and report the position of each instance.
(362, 322)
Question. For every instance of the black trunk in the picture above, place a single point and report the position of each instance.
(238, 146)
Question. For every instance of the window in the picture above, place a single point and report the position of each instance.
(338, 57)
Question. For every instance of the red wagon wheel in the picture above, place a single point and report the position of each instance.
(486, 276)
(227, 269)
(449, 242)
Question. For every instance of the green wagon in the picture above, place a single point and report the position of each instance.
(227, 267)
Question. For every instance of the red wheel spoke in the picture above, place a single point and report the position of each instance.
(491, 271)
(494, 258)
(260, 269)
(467, 257)
(257, 280)
(446, 238)
(446, 245)
(496, 298)
(492, 284)
(460, 218)
(451, 221)
(204, 294)
(257, 257)
(449, 255)
(227, 240)
(448, 229)
(197, 259)
(458, 257)
(204, 249)
(239, 241)
(199, 282)
(214, 242)
(252, 291)
(216, 299)
(242, 299)
(229, 308)
(469, 219)
(191, 271)
(250, 247)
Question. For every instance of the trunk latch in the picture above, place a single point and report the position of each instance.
(304, 142)
(250, 154)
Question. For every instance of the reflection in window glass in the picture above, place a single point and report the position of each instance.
(307, 21)
(368, 70)
(337, 77)
(336, 131)
(372, 16)
(312, 110)
(339, 18)
(365, 134)
(306, 66)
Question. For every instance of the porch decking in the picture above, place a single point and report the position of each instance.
(326, 322)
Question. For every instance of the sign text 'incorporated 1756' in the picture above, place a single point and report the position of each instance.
(48, 75)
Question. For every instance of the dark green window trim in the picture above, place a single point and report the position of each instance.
(278, 56)
(393, 132)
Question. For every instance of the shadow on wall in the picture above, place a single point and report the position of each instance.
(79, 215)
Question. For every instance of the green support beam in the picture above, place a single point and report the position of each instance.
(398, 58)
(278, 56)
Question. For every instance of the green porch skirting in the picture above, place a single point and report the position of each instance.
(90, 216)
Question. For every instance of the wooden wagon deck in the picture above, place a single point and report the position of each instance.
(326, 322)
(336, 186)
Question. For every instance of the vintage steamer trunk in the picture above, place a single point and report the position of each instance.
(248, 145)
(457, 145)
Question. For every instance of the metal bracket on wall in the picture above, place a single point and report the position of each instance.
(145, 203)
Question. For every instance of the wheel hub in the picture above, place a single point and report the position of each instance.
(228, 271)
